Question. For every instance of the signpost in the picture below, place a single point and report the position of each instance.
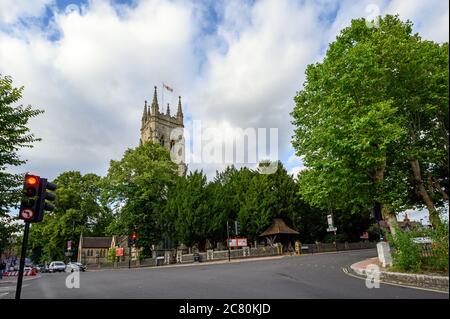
(228, 241)
(32, 207)
(331, 227)
(119, 252)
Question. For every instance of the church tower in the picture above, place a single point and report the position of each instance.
(159, 127)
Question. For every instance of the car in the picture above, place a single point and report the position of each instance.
(75, 266)
(44, 269)
(57, 266)
(82, 267)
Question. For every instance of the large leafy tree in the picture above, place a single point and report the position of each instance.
(14, 135)
(137, 187)
(355, 118)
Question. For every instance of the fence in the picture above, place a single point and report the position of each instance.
(328, 247)
(180, 257)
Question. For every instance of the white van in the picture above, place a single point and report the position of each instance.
(57, 266)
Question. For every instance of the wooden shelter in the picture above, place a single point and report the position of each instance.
(279, 232)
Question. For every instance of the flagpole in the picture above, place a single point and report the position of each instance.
(162, 98)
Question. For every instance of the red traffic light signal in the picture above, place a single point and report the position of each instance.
(29, 207)
(34, 195)
(31, 180)
(132, 239)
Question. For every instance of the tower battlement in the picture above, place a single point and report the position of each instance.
(157, 127)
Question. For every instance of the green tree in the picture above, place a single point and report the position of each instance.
(14, 135)
(79, 209)
(8, 229)
(354, 118)
(190, 201)
(137, 189)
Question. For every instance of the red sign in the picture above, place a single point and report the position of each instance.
(237, 242)
(69, 245)
(242, 242)
(232, 242)
(119, 252)
(365, 235)
(27, 214)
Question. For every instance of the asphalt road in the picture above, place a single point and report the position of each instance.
(307, 276)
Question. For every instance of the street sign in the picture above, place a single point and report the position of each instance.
(119, 252)
(237, 242)
(330, 220)
(232, 242)
(331, 229)
(365, 235)
(242, 242)
(27, 214)
(69, 245)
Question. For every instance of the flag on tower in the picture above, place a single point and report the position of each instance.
(168, 88)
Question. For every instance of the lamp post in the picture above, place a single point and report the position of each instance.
(228, 242)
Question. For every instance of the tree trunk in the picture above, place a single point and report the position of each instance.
(387, 214)
(391, 219)
(433, 214)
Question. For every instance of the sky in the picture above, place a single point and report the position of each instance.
(90, 64)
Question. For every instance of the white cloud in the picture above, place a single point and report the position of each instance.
(93, 79)
(12, 10)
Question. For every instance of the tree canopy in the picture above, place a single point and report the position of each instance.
(14, 135)
(366, 117)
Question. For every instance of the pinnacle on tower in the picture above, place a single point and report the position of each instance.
(155, 106)
(168, 110)
(179, 111)
(144, 115)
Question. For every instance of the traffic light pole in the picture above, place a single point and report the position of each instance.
(129, 256)
(22, 259)
(228, 242)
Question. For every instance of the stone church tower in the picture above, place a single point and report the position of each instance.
(158, 128)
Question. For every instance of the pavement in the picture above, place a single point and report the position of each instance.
(289, 277)
(13, 279)
(419, 281)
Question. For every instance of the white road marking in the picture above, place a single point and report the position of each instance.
(3, 294)
(393, 284)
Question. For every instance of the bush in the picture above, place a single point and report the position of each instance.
(112, 255)
(438, 261)
(409, 256)
(406, 254)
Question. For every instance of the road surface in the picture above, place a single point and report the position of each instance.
(307, 276)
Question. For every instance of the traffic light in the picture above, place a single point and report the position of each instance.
(29, 207)
(34, 198)
(132, 239)
(237, 227)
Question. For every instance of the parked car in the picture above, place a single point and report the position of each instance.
(82, 267)
(45, 268)
(57, 266)
(75, 266)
